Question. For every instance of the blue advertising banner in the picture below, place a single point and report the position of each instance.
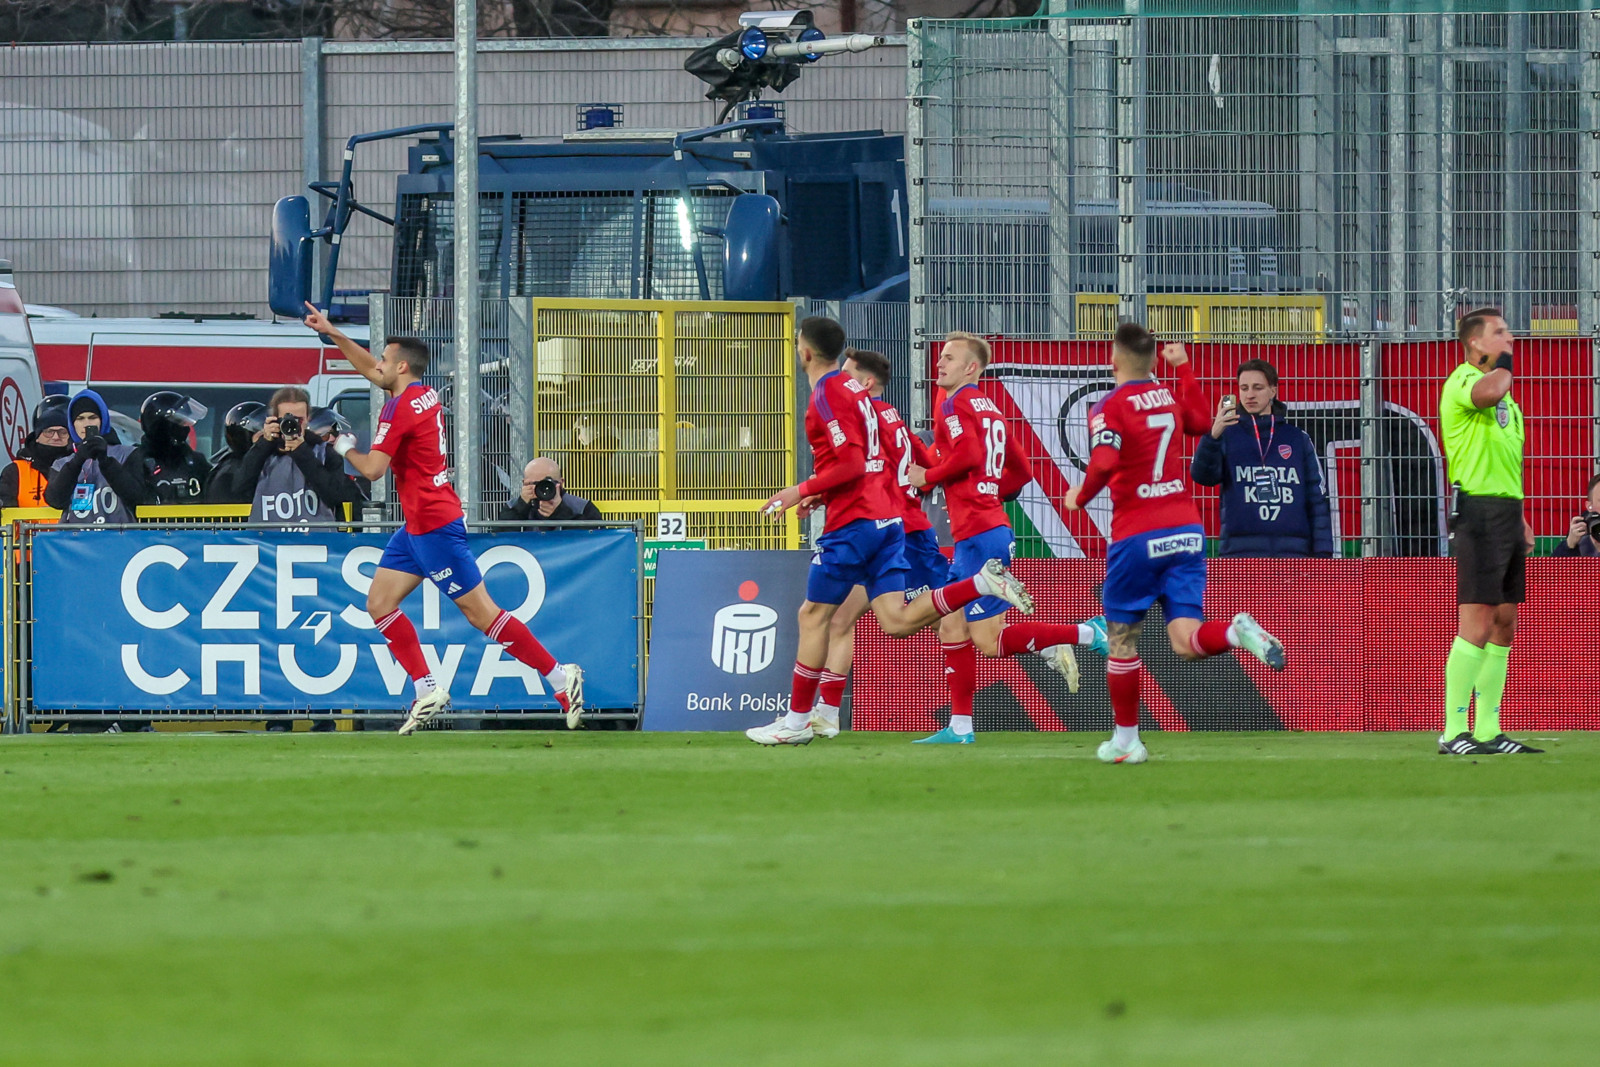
(276, 620)
(723, 658)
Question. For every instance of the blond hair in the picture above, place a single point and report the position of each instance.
(975, 344)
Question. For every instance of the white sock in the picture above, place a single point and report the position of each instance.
(961, 724)
(558, 678)
(827, 712)
(796, 720)
(424, 685)
(1085, 634)
(1233, 636)
(1125, 736)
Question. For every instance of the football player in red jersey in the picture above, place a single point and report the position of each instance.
(980, 468)
(926, 566)
(432, 544)
(862, 541)
(1157, 552)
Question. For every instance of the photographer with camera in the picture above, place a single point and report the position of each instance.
(292, 473)
(1273, 501)
(1583, 535)
(544, 497)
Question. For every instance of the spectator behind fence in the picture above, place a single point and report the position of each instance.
(169, 470)
(241, 428)
(96, 484)
(23, 482)
(544, 497)
(1273, 501)
(291, 473)
(1581, 539)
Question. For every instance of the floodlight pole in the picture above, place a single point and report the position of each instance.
(465, 402)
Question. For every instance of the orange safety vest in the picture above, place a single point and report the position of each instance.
(31, 483)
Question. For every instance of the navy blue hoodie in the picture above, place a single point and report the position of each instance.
(1273, 500)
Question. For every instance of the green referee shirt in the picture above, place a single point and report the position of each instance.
(1484, 445)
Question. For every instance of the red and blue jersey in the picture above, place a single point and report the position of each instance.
(904, 448)
(411, 433)
(979, 465)
(842, 428)
(1135, 448)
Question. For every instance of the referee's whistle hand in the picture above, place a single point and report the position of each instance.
(1527, 534)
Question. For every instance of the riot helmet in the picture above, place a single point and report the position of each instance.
(242, 423)
(166, 418)
(326, 423)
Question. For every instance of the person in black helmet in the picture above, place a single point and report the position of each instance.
(242, 428)
(291, 473)
(169, 471)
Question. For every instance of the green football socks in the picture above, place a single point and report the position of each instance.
(1491, 687)
(1461, 672)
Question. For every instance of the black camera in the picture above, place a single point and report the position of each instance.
(290, 425)
(545, 489)
(1591, 522)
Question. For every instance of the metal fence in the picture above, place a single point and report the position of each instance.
(140, 177)
(1399, 167)
(1328, 192)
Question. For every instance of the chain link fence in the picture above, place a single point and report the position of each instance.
(1326, 192)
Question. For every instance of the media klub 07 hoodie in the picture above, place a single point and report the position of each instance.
(1273, 499)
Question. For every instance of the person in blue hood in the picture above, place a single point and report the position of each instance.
(1273, 500)
(93, 485)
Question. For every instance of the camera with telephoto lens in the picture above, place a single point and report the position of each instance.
(545, 489)
(1591, 522)
(289, 425)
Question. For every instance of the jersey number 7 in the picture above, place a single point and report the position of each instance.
(1166, 422)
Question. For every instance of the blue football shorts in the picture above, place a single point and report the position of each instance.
(867, 552)
(1166, 566)
(439, 555)
(970, 556)
(927, 566)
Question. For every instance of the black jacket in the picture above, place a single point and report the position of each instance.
(178, 478)
(325, 478)
(219, 488)
(571, 507)
(122, 477)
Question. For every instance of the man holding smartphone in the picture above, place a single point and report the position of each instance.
(1273, 500)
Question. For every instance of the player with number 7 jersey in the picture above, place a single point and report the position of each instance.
(1157, 553)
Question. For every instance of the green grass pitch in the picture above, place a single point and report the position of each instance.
(536, 898)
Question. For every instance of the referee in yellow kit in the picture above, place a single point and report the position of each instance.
(1489, 538)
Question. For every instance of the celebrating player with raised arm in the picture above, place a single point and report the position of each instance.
(980, 467)
(1157, 549)
(433, 542)
(862, 540)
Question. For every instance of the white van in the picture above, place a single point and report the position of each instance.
(20, 391)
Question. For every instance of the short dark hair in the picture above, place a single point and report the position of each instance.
(1473, 322)
(1592, 483)
(414, 352)
(1260, 366)
(289, 394)
(872, 362)
(824, 337)
(1137, 342)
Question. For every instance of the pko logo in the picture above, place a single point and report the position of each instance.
(744, 637)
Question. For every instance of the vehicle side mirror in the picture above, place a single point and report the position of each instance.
(289, 261)
(750, 248)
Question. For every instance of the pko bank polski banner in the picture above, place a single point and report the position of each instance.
(276, 620)
(723, 657)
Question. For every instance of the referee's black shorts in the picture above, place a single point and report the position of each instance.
(1490, 552)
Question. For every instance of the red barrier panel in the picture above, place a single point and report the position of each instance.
(1366, 643)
